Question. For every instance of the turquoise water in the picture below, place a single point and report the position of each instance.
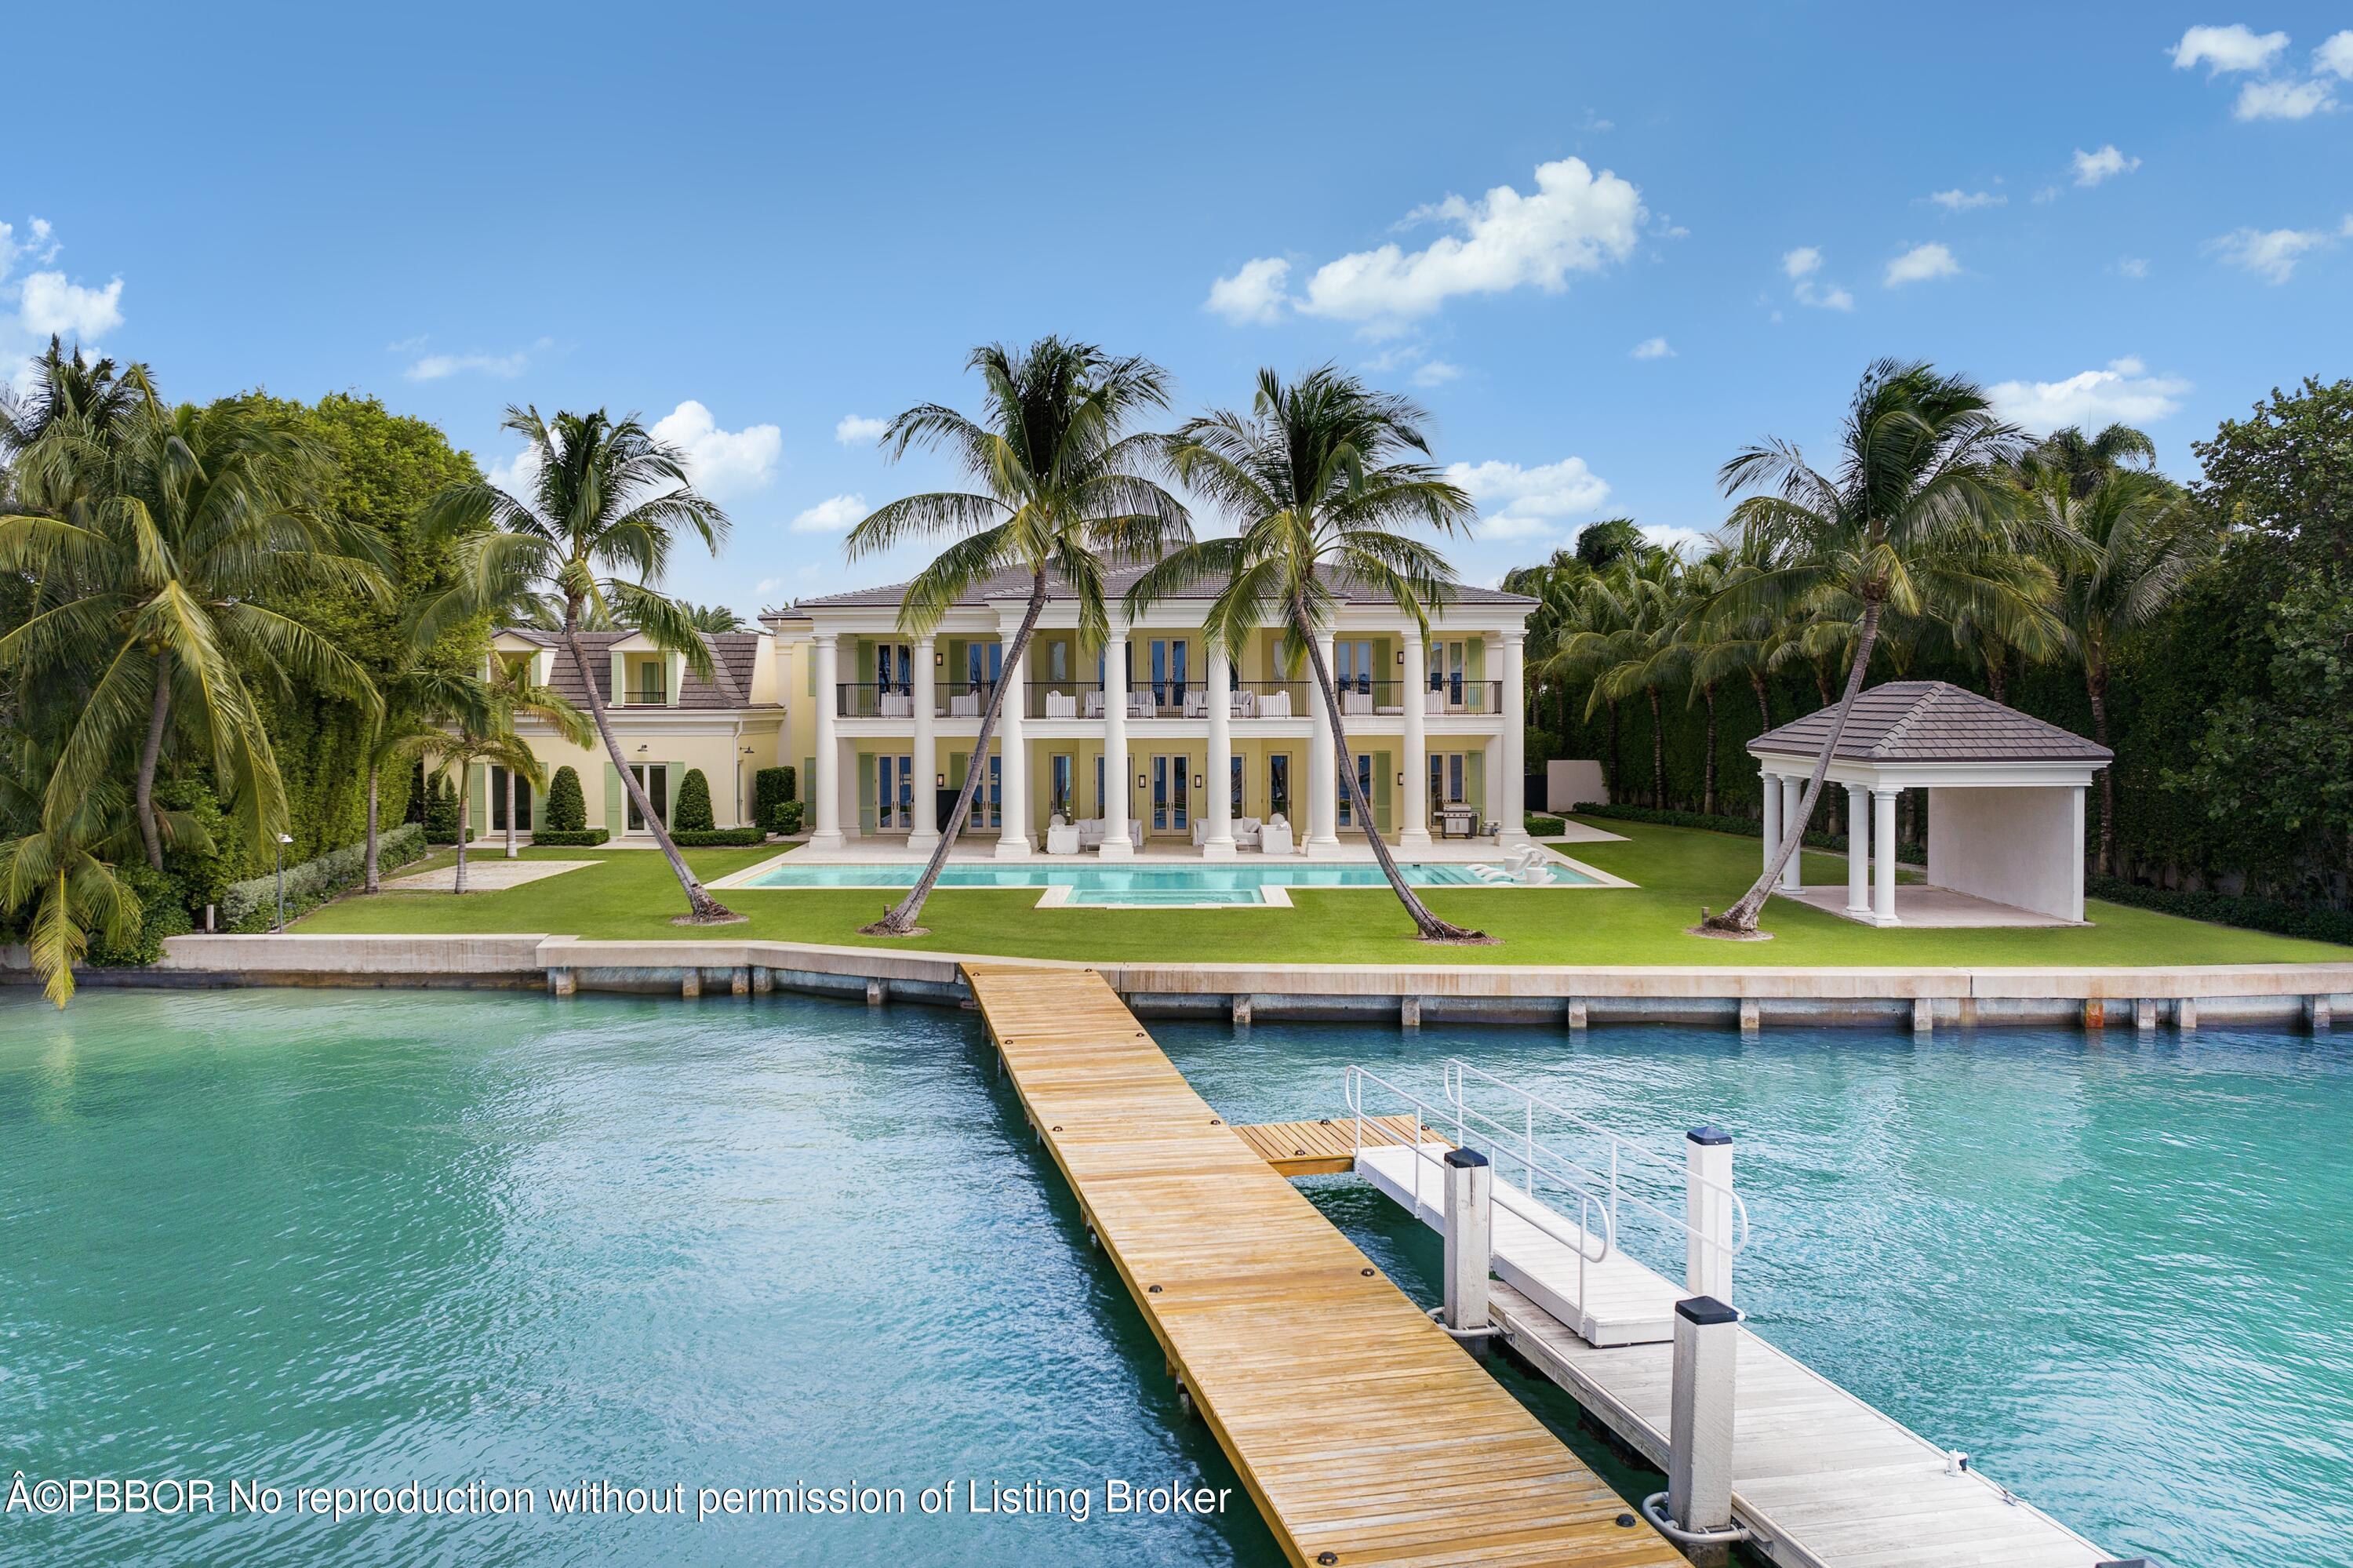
(321, 1238)
(1093, 883)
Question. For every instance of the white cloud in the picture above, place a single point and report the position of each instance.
(2091, 168)
(1437, 373)
(435, 366)
(2271, 254)
(2235, 47)
(2134, 267)
(1921, 263)
(834, 514)
(1653, 348)
(2282, 100)
(49, 302)
(719, 462)
(1254, 294)
(517, 475)
(2046, 195)
(1573, 221)
(1518, 502)
(2336, 55)
(1958, 200)
(2124, 391)
(1799, 266)
(854, 431)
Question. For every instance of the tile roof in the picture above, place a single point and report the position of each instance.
(1933, 721)
(1015, 584)
(734, 657)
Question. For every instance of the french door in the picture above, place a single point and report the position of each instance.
(654, 777)
(1446, 784)
(1171, 794)
(1169, 672)
(1364, 780)
(1449, 667)
(894, 667)
(1351, 665)
(988, 801)
(894, 792)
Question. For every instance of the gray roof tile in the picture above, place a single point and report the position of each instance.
(1932, 721)
(734, 655)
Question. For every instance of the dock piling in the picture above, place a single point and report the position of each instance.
(1699, 1465)
(1470, 1244)
(1707, 1212)
(2316, 1014)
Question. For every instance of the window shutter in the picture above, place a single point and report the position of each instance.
(1474, 782)
(1474, 697)
(1384, 780)
(616, 815)
(617, 670)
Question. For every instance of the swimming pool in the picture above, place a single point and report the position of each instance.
(1146, 886)
(313, 1238)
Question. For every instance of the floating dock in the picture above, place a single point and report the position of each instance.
(1363, 1432)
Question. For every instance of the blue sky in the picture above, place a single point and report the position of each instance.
(1605, 246)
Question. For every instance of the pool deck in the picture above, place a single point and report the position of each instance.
(1362, 1431)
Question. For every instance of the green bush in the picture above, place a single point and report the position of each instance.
(252, 905)
(440, 813)
(787, 817)
(771, 788)
(567, 808)
(590, 836)
(1748, 826)
(1545, 825)
(2276, 915)
(162, 912)
(705, 838)
(692, 812)
(203, 872)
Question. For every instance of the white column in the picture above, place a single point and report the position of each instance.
(1497, 805)
(1858, 849)
(2076, 860)
(1793, 796)
(1515, 713)
(827, 783)
(1115, 845)
(1770, 783)
(1012, 744)
(1218, 843)
(1323, 771)
(1882, 833)
(1413, 827)
(925, 753)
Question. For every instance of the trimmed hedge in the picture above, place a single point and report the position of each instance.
(710, 838)
(786, 818)
(2272, 915)
(692, 812)
(771, 788)
(1747, 826)
(566, 836)
(1543, 823)
(567, 808)
(252, 905)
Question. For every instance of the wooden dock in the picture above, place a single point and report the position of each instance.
(1365, 1435)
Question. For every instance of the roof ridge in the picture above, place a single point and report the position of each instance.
(1897, 731)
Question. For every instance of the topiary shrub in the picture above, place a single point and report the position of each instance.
(691, 814)
(771, 788)
(787, 817)
(705, 838)
(568, 810)
(580, 836)
(440, 813)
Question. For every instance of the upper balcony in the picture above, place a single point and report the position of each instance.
(1170, 699)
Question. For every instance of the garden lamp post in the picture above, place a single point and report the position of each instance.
(282, 842)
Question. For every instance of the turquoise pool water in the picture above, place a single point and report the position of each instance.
(321, 1238)
(1094, 882)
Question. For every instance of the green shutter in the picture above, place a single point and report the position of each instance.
(1384, 780)
(868, 819)
(1474, 697)
(478, 798)
(616, 665)
(616, 803)
(1386, 672)
(954, 670)
(1474, 782)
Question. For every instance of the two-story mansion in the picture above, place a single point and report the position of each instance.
(1162, 747)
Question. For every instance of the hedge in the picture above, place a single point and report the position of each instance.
(771, 788)
(564, 836)
(692, 812)
(707, 838)
(1542, 823)
(567, 808)
(1747, 826)
(252, 905)
(786, 817)
(2272, 915)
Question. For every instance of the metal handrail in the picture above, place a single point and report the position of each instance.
(1590, 1208)
(1456, 1074)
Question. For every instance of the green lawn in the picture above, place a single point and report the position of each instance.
(631, 893)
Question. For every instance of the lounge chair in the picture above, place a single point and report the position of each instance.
(1061, 704)
(966, 705)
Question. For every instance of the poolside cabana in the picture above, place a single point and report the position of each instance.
(2005, 806)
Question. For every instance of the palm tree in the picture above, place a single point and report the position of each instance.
(2080, 461)
(712, 618)
(608, 502)
(511, 691)
(1588, 620)
(1319, 476)
(2138, 544)
(1064, 485)
(167, 532)
(1913, 522)
(415, 703)
(459, 749)
(1643, 583)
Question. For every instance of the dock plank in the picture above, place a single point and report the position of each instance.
(1362, 1432)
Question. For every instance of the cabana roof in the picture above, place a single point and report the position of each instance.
(1932, 721)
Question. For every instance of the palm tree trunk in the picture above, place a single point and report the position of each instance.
(901, 919)
(701, 906)
(1998, 673)
(2095, 686)
(149, 752)
(1707, 775)
(465, 825)
(1657, 755)
(371, 884)
(1430, 927)
(1742, 916)
(512, 851)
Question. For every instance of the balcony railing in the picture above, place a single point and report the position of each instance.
(644, 697)
(1445, 695)
(1166, 699)
(872, 699)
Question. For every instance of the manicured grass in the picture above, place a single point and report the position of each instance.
(632, 893)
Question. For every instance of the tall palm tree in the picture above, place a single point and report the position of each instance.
(2138, 544)
(459, 748)
(1644, 583)
(417, 702)
(1588, 619)
(1064, 484)
(1320, 476)
(510, 692)
(607, 503)
(713, 618)
(161, 536)
(1914, 521)
(2079, 461)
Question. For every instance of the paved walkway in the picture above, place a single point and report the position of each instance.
(485, 874)
(1916, 903)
